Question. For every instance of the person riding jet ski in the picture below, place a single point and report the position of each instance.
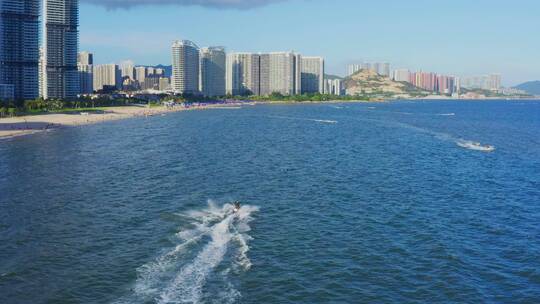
(236, 206)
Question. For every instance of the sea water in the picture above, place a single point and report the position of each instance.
(342, 203)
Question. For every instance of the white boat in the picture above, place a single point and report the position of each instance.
(476, 146)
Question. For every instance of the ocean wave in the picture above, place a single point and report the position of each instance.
(179, 275)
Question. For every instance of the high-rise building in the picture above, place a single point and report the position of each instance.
(385, 69)
(401, 75)
(85, 58)
(381, 68)
(376, 67)
(495, 82)
(485, 82)
(42, 72)
(19, 48)
(243, 74)
(264, 74)
(312, 75)
(353, 68)
(140, 74)
(164, 84)
(213, 65)
(60, 37)
(7, 91)
(85, 62)
(127, 68)
(151, 82)
(280, 73)
(86, 79)
(298, 74)
(333, 87)
(366, 66)
(107, 77)
(185, 67)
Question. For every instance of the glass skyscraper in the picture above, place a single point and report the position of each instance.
(61, 36)
(19, 47)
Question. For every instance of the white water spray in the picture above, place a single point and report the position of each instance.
(180, 274)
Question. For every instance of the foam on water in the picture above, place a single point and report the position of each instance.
(446, 114)
(179, 275)
(471, 145)
(460, 142)
(305, 119)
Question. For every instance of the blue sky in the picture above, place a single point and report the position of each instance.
(455, 37)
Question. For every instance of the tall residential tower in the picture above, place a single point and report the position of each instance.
(280, 73)
(85, 66)
(312, 75)
(212, 82)
(243, 74)
(185, 67)
(19, 49)
(60, 38)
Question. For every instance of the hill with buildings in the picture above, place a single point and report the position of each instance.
(531, 87)
(368, 82)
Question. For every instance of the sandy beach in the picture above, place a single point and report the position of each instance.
(23, 125)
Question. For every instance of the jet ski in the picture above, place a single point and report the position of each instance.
(236, 206)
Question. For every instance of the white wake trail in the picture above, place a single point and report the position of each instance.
(180, 274)
(327, 121)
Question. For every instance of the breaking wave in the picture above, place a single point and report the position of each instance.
(215, 245)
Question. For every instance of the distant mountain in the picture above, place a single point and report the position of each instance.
(367, 82)
(531, 87)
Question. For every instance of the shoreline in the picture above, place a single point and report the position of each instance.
(31, 124)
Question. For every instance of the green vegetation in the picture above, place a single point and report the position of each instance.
(39, 106)
(274, 97)
(317, 97)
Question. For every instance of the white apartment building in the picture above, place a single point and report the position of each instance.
(281, 73)
(401, 75)
(243, 74)
(127, 68)
(333, 87)
(107, 76)
(185, 67)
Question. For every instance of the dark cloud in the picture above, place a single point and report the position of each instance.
(234, 4)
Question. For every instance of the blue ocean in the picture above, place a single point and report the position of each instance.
(398, 202)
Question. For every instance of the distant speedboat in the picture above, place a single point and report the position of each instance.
(476, 146)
